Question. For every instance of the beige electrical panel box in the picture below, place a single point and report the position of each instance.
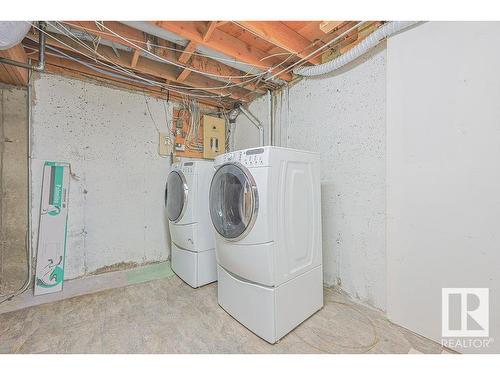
(214, 136)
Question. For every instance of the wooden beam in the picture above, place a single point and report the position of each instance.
(344, 26)
(135, 58)
(183, 75)
(212, 25)
(363, 32)
(188, 51)
(13, 74)
(197, 62)
(191, 47)
(223, 43)
(312, 32)
(349, 40)
(201, 63)
(123, 30)
(282, 36)
(329, 26)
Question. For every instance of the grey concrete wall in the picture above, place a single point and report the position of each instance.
(13, 187)
(110, 137)
(342, 116)
(245, 134)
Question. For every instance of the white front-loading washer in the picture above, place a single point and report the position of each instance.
(265, 208)
(191, 232)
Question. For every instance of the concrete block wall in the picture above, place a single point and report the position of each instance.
(341, 116)
(110, 137)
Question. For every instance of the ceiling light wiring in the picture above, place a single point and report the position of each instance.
(77, 40)
(179, 50)
(173, 88)
(173, 62)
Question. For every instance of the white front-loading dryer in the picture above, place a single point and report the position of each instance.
(265, 208)
(191, 233)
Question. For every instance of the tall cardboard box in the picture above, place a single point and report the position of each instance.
(51, 249)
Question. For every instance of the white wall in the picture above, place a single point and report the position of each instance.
(116, 196)
(341, 116)
(443, 173)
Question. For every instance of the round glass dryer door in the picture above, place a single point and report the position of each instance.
(176, 193)
(234, 201)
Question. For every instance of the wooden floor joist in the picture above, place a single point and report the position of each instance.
(223, 43)
(12, 74)
(282, 36)
(197, 62)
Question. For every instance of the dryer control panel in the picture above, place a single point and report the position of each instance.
(185, 167)
(188, 168)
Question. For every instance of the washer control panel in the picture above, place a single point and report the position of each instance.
(188, 168)
(254, 157)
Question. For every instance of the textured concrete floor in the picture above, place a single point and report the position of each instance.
(167, 316)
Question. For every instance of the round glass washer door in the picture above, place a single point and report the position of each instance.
(234, 201)
(176, 194)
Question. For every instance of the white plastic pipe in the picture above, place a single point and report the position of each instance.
(368, 43)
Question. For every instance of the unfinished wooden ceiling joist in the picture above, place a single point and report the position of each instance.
(12, 74)
(217, 62)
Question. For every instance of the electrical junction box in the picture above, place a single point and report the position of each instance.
(214, 136)
(51, 250)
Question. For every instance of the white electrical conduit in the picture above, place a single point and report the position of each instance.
(368, 43)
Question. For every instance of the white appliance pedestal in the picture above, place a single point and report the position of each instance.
(195, 268)
(271, 312)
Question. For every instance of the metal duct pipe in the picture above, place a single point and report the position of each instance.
(254, 120)
(41, 54)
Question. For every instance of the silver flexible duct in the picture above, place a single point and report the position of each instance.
(371, 41)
